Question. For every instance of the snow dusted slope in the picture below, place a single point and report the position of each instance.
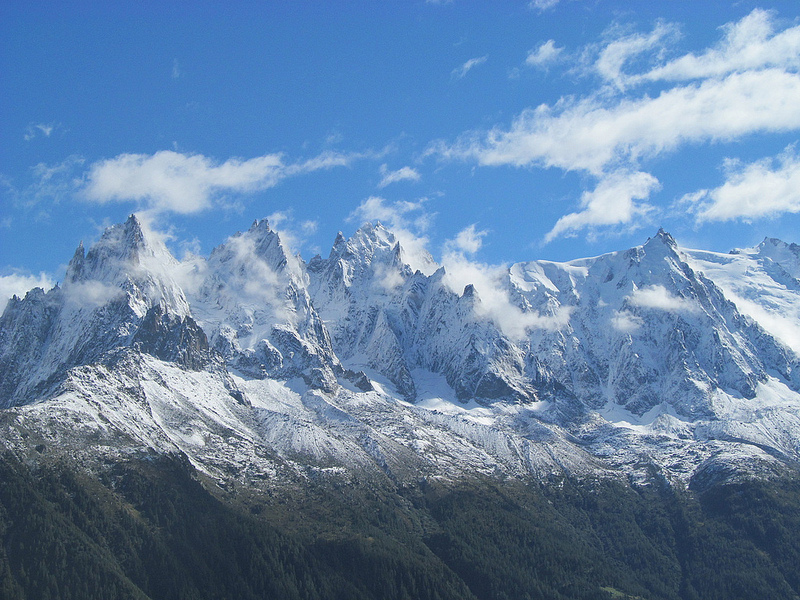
(653, 358)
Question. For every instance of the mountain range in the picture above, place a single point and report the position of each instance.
(255, 363)
(656, 365)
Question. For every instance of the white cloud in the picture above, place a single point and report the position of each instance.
(388, 278)
(37, 129)
(394, 214)
(259, 290)
(334, 137)
(619, 51)
(494, 303)
(49, 183)
(408, 221)
(612, 202)
(176, 69)
(544, 54)
(309, 227)
(279, 218)
(626, 322)
(760, 189)
(592, 133)
(745, 84)
(169, 181)
(20, 283)
(659, 298)
(460, 72)
(542, 5)
(468, 241)
(402, 174)
(751, 43)
(491, 282)
(90, 294)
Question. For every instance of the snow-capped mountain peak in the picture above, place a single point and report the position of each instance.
(131, 260)
(124, 245)
(123, 282)
(786, 256)
(254, 304)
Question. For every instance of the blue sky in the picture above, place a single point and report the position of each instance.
(488, 133)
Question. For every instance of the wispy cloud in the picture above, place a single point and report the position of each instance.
(461, 72)
(493, 301)
(543, 55)
(612, 202)
(408, 221)
(35, 130)
(626, 322)
(659, 298)
(468, 241)
(91, 294)
(402, 174)
(491, 283)
(542, 5)
(752, 43)
(293, 234)
(745, 84)
(49, 183)
(592, 133)
(765, 188)
(620, 50)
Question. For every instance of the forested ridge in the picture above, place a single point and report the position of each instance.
(154, 529)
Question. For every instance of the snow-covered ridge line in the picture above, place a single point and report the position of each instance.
(676, 354)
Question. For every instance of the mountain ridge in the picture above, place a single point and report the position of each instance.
(254, 363)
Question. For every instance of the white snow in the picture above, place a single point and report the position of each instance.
(751, 280)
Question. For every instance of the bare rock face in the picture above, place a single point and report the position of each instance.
(172, 339)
